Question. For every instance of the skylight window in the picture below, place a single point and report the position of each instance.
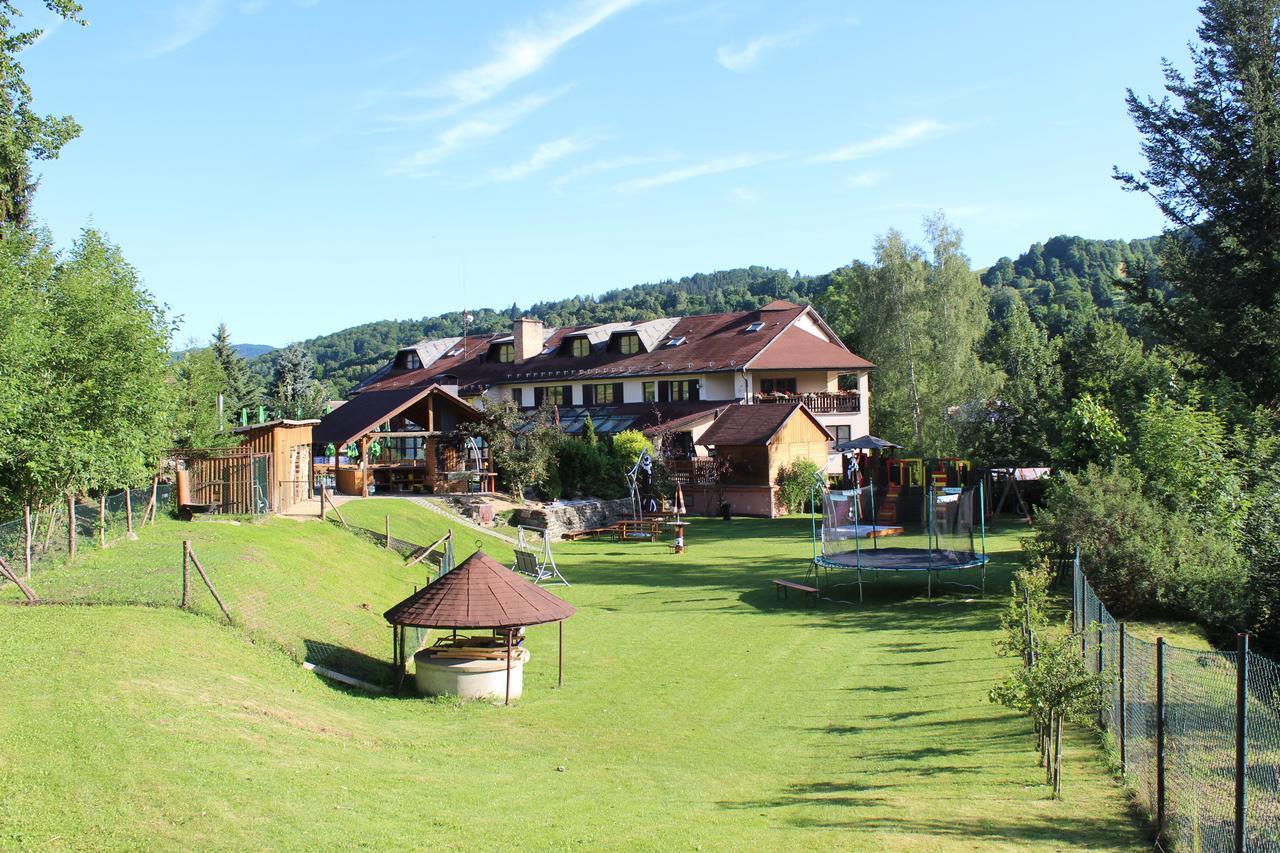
(675, 342)
(755, 327)
(453, 353)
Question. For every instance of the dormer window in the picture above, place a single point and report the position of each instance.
(629, 344)
(755, 327)
(502, 353)
(580, 347)
(408, 361)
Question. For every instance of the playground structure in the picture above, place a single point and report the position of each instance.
(948, 520)
(534, 559)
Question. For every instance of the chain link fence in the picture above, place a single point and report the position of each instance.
(1198, 731)
(329, 619)
(95, 521)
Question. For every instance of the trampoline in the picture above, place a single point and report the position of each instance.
(952, 543)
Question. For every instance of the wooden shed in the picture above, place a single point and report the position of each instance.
(756, 442)
(289, 444)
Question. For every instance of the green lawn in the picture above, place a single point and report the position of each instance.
(697, 712)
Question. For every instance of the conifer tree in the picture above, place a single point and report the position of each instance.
(1212, 147)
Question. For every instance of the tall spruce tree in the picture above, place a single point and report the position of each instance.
(295, 393)
(25, 136)
(1212, 147)
(243, 391)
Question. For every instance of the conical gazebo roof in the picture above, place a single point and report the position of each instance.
(480, 593)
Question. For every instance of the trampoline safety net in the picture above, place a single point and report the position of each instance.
(950, 536)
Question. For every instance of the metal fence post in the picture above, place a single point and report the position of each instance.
(1101, 662)
(1242, 730)
(1159, 735)
(1124, 712)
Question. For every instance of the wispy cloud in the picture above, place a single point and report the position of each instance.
(746, 56)
(542, 157)
(613, 164)
(899, 137)
(862, 180)
(190, 21)
(476, 129)
(521, 52)
(714, 166)
(746, 195)
(47, 30)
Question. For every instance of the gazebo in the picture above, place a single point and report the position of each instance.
(479, 593)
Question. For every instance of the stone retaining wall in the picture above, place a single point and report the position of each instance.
(580, 515)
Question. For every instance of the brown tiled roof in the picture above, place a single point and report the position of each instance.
(796, 347)
(364, 412)
(480, 593)
(687, 420)
(712, 343)
(754, 425)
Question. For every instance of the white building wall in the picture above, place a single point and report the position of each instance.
(719, 386)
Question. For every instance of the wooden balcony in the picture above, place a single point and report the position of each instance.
(691, 471)
(819, 402)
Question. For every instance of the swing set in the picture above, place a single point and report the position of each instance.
(535, 561)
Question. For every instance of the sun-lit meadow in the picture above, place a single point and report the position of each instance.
(698, 711)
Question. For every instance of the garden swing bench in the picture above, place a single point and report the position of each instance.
(538, 567)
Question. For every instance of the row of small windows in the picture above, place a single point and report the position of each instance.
(505, 353)
(609, 393)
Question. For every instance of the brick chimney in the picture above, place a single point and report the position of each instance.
(528, 339)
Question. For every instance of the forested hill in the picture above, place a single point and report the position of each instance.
(1066, 280)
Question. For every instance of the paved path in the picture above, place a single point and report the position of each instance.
(458, 519)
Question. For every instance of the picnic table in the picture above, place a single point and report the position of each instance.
(633, 528)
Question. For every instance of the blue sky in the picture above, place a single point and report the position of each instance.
(293, 167)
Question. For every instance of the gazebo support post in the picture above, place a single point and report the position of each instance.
(561, 680)
(507, 699)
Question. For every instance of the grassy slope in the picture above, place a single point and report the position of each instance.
(696, 711)
(310, 588)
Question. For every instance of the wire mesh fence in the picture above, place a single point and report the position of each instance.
(48, 533)
(314, 605)
(1186, 723)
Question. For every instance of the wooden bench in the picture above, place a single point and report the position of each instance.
(783, 586)
(589, 533)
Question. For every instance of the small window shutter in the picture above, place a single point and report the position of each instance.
(588, 395)
(537, 396)
(695, 389)
(617, 393)
(664, 391)
(567, 393)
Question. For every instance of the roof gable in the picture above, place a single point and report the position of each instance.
(707, 343)
(365, 411)
(756, 424)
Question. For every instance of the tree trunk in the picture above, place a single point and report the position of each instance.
(1057, 762)
(71, 526)
(26, 537)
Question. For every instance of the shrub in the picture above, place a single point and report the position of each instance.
(628, 444)
(795, 485)
(1141, 558)
(588, 470)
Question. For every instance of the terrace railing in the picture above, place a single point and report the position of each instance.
(819, 402)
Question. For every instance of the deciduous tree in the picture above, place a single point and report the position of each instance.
(25, 135)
